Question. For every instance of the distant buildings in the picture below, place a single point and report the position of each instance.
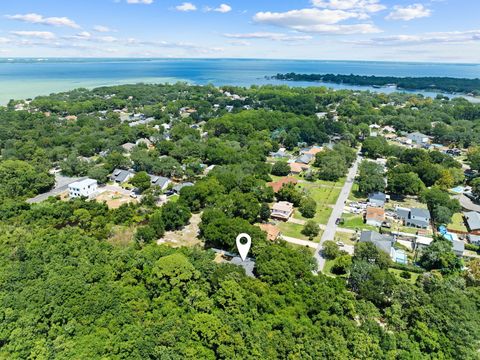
(160, 181)
(128, 147)
(297, 168)
(418, 138)
(179, 187)
(85, 188)
(282, 210)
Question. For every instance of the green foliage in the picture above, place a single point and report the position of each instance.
(19, 178)
(141, 180)
(370, 178)
(175, 215)
(330, 250)
(281, 168)
(440, 256)
(311, 229)
(308, 207)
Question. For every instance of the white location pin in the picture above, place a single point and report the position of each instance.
(243, 249)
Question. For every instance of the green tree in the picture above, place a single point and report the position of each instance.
(440, 256)
(308, 207)
(281, 168)
(175, 215)
(330, 250)
(141, 181)
(311, 229)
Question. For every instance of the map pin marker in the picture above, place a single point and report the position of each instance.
(243, 249)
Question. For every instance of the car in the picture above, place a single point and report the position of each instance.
(338, 221)
(340, 243)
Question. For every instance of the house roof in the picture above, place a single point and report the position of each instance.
(403, 213)
(297, 168)
(378, 196)
(312, 151)
(382, 242)
(458, 246)
(473, 220)
(416, 134)
(179, 187)
(159, 180)
(283, 206)
(121, 175)
(83, 183)
(305, 159)
(128, 146)
(375, 213)
(272, 231)
(277, 185)
(424, 213)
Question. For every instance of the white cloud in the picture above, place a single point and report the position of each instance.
(223, 8)
(451, 37)
(101, 28)
(40, 19)
(367, 6)
(269, 36)
(146, 2)
(45, 35)
(317, 21)
(186, 6)
(408, 13)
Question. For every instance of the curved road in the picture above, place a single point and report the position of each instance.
(331, 229)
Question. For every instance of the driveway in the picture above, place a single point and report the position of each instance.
(331, 229)
(467, 203)
(300, 242)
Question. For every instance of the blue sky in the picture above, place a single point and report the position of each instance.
(416, 30)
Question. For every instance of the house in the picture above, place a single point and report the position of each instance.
(297, 168)
(419, 218)
(458, 246)
(418, 138)
(160, 181)
(374, 216)
(474, 239)
(277, 185)
(128, 147)
(377, 199)
(280, 154)
(121, 176)
(384, 243)
(179, 187)
(314, 150)
(472, 218)
(272, 231)
(388, 129)
(282, 210)
(305, 159)
(85, 188)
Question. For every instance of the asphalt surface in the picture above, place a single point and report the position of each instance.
(331, 229)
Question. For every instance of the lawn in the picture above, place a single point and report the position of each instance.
(355, 195)
(295, 231)
(397, 273)
(405, 203)
(327, 269)
(354, 222)
(457, 223)
(346, 238)
(324, 195)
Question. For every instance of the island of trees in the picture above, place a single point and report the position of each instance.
(440, 84)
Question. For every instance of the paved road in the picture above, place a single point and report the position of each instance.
(467, 203)
(331, 229)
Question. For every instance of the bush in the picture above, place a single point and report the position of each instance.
(281, 168)
(330, 250)
(311, 229)
(406, 275)
(342, 265)
(308, 208)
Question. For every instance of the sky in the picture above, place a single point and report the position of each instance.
(394, 30)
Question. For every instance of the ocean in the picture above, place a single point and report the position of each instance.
(25, 78)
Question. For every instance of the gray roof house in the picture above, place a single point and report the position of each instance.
(128, 146)
(120, 176)
(418, 138)
(382, 242)
(160, 181)
(419, 218)
(305, 159)
(179, 187)
(473, 220)
(377, 199)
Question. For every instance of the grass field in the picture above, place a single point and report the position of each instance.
(397, 273)
(355, 195)
(295, 231)
(457, 223)
(353, 221)
(346, 238)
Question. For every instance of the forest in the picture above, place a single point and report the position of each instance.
(75, 285)
(441, 84)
